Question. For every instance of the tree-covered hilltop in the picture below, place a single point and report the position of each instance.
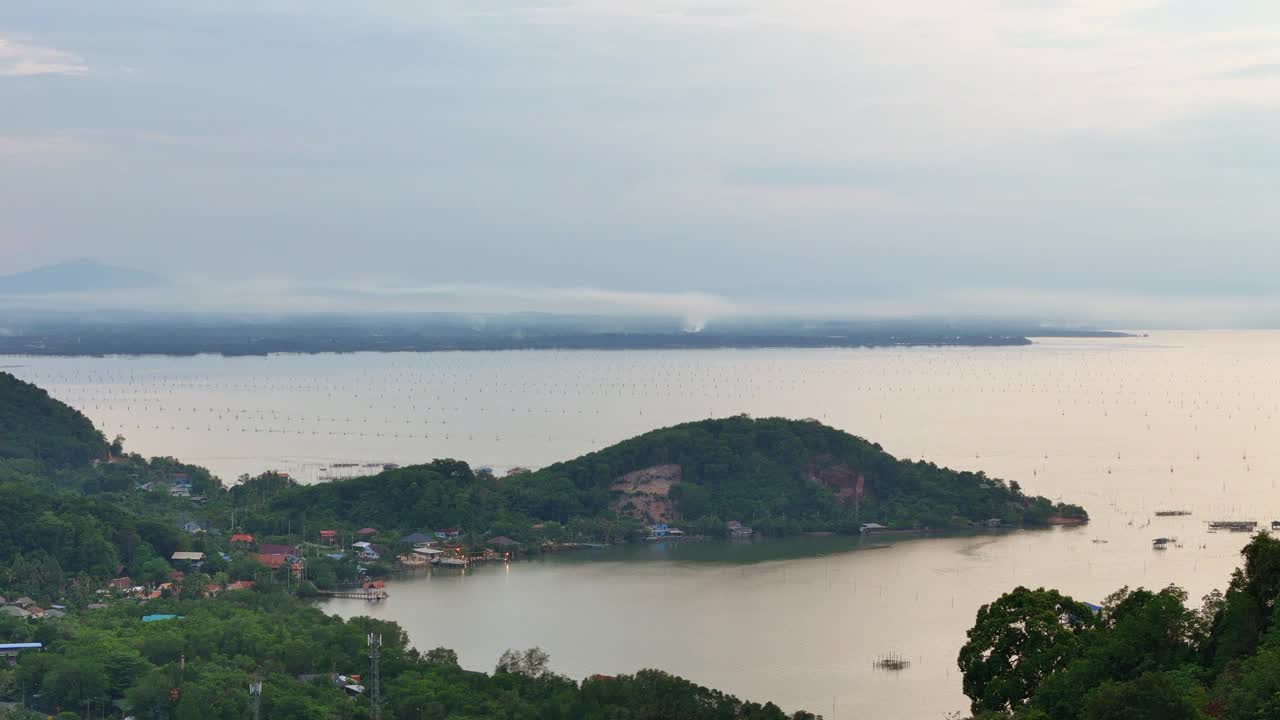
(777, 475)
(36, 428)
(773, 473)
(1039, 655)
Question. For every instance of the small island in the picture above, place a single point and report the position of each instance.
(710, 478)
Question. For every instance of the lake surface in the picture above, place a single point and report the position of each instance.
(1124, 427)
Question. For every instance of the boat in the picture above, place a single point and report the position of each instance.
(1233, 525)
(1172, 513)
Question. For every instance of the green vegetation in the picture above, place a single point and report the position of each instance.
(45, 433)
(779, 476)
(199, 665)
(785, 475)
(79, 512)
(1038, 655)
(71, 523)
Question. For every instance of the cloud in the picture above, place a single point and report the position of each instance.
(18, 59)
(1260, 70)
(57, 144)
(280, 293)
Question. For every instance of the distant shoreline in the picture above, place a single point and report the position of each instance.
(173, 342)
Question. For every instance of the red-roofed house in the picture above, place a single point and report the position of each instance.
(271, 560)
(367, 531)
(121, 583)
(245, 538)
(240, 585)
(268, 549)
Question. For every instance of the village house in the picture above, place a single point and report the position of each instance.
(9, 651)
(271, 560)
(272, 549)
(366, 550)
(191, 527)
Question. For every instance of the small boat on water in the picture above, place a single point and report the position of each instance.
(1172, 513)
(1233, 525)
(1162, 543)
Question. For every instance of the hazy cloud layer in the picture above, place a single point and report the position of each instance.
(19, 59)
(847, 154)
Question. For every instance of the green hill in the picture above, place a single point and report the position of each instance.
(772, 471)
(34, 426)
(777, 475)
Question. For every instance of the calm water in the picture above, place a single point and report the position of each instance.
(1124, 427)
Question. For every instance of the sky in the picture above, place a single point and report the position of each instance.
(1109, 160)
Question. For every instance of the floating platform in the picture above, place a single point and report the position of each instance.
(357, 594)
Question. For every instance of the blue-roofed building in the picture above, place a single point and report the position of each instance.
(158, 618)
(9, 651)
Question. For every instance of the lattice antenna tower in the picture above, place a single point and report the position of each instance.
(375, 654)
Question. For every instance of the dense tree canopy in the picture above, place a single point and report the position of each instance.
(799, 472)
(1144, 654)
(35, 427)
(777, 475)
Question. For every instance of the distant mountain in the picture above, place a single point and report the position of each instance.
(76, 276)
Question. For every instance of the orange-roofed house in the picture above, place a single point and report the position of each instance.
(273, 560)
(242, 539)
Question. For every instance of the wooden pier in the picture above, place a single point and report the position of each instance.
(356, 594)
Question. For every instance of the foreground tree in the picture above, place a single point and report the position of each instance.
(1018, 641)
(1153, 696)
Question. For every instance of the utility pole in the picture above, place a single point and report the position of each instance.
(255, 692)
(375, 653)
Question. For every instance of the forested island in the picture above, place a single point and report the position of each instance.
(139, 333)
(777, 476)
(1142, 655)
(96, 539)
